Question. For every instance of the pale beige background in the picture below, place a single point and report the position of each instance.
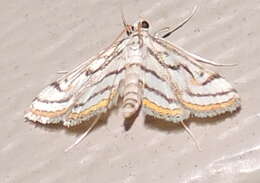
(40, 37)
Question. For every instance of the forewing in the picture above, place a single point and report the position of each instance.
(203, 92)
(159, 100)
(57, 100)
(99, 95)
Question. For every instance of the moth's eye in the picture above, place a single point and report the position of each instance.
(145, 24)
(132, 28)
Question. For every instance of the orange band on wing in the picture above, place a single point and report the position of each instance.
(102, 103)
(211, 107)
(147, 103)
(49, 114)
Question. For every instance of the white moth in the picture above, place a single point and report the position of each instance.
(138, 71)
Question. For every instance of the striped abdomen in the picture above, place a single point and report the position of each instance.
(132, 91)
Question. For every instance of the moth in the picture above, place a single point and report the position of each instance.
(140, 71)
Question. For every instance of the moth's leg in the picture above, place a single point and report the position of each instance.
(167, 31)
(192, 136)
(84, 134)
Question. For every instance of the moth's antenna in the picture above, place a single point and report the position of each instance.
(171, 29)
(195, 58)
(124, 21)
(128, 28)
(123, 18)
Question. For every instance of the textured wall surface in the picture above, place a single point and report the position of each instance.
(40, 37)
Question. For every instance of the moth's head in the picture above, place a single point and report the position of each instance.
(141, 25)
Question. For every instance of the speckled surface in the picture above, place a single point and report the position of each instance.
(39, 38)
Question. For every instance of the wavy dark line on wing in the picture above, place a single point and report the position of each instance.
(105, 64)
(157, 92)
(210, 94)
(169, 46)
(94, 95)
(56, 85)
(64, 100)
(167, 66)
(211, 78)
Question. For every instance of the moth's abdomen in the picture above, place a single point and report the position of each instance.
(132, 90)
(132, 94)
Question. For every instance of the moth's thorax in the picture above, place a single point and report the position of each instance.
(132, 93)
